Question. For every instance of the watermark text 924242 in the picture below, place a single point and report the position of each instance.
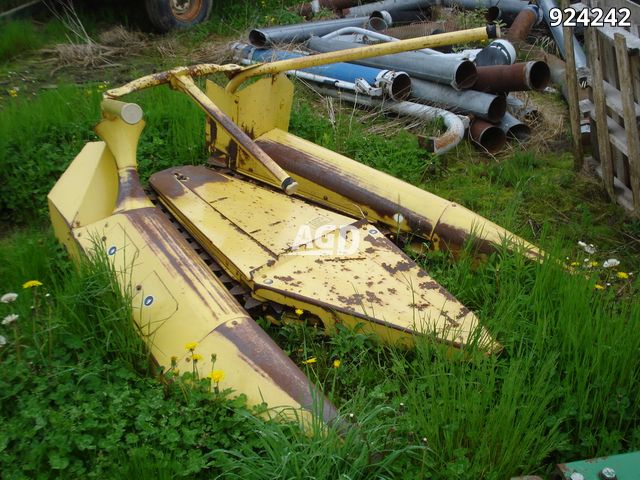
(589, 17)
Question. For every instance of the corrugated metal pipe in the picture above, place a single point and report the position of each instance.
(533, 75)
(387, 5)
(396, 85)
(523, 23)
(300, 32)
(438, 68)
(308, 9)
(485, 105)
(514, 128)
(581, 60)
(438, 145)
(486, 135)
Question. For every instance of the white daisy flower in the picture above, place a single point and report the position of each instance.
(10, 319)
(8, 297)
(612, 262)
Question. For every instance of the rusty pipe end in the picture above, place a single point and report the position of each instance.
(486, 135)
(466, 75)
(537, 75)
(522, 25)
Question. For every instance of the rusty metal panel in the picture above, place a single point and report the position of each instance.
(340, 268)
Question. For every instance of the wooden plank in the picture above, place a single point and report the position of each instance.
(616, 132)
(633, 42)
(631, 126)
(614, 99)
(572, 94)
(624, 196)
(600, 109)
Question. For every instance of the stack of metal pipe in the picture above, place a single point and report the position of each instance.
(427, 83)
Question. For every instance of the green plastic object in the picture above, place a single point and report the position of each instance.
(615, 467)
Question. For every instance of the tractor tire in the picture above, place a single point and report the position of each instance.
(167, 15)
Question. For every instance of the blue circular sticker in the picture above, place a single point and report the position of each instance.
(148, 300)
(112, 250)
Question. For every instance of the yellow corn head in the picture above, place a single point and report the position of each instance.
(222, 243)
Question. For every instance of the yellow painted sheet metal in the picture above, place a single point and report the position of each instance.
(176, 298)
(337, 181)
(341, 268)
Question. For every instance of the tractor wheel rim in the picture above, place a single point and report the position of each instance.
(186, 10)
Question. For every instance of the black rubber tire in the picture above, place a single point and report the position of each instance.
(164, 18)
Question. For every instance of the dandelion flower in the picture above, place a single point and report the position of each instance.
(31, 284)
(598, 287)
(8, 297)
(594, 264)
(196, 357)
(10, 319)
(336, 363)
(622, 275)
(299, 311)
(13, 92)
(3, 341)
(310, 361)
(612, 262)
(575, 264)
(216, 376)
(191, 346)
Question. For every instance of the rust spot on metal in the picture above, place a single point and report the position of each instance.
(259, 350)
(129, 187)
(312, 168)
(401, 266)
(286, 279)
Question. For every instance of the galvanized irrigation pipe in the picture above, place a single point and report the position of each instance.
(441, 144)
(395, 84)
(385, 5)
(581, 60)
(528, 112)
(473, 34)
(300, 31)
(421, 29)
(381, 19)
(437, 68)
(533, 75)
(504, 6)
(485, 105)
(514, 128)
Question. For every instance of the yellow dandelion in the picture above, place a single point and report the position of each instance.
(594, 264)
(299, 311)
(216, 376)
(191, 346)
(13, 92)
(598, 287)
(196, 357)
(310, 361)
(575, 264)
(336, 363)
(31, 284)
(622, 275)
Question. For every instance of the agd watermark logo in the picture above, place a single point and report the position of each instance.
(331, 240)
